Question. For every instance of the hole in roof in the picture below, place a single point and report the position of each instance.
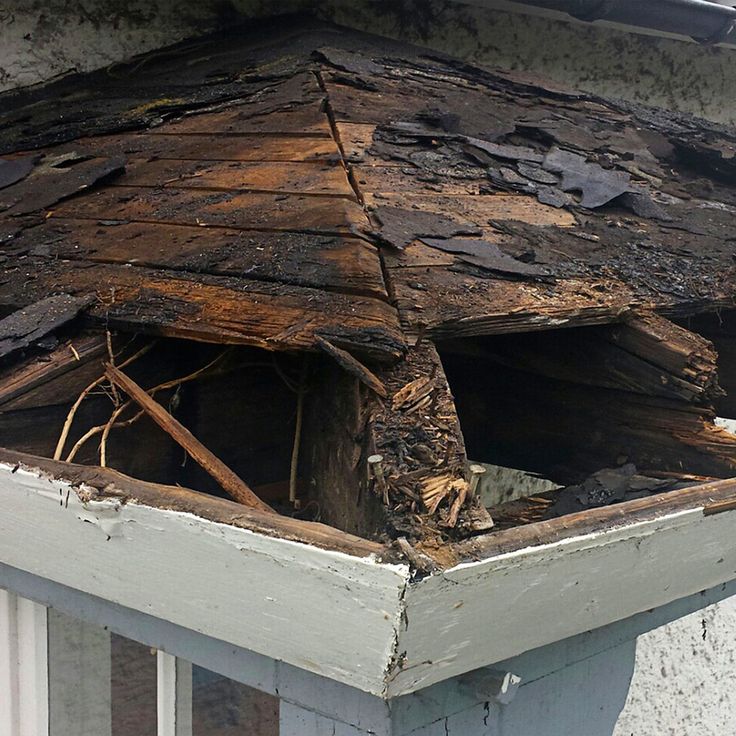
(586, 417)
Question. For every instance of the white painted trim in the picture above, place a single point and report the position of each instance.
(33, 668)
(79, 653)
(24, 694)
(346, 618)
(483, 612)
(9, 696)
(173, 695)
(320, 610)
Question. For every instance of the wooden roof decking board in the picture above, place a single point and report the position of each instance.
(272, 177)
(329, 262)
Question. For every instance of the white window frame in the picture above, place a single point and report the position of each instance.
(27, 706)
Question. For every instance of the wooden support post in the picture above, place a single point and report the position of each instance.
(174, 695)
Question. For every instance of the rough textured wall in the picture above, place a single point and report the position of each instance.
(683, 677)
(40, 39)
(657, 71)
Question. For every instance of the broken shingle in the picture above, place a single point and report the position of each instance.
(487, 255)
(597, 185)
(400, 227)
(14, 170)
(29, 326)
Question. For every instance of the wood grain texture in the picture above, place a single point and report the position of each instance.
(328, 262)
(220, 309)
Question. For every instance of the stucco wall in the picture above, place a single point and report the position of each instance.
(666, 72)
(40, 39)
(684, 677)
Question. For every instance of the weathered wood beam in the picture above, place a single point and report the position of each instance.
(228, 480)
(53, 378)
(96, 483)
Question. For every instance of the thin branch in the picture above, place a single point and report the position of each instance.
(293, 469)
(107, 427)
(75, 406)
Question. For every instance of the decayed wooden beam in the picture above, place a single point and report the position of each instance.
(97, 483)
(352, 366)
(217, 309)
(39, 382)
(343, 264)
(228, 480)
(417, 433)
(646, 354)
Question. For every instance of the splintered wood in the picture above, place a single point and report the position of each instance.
(363, 202)
(417, 433)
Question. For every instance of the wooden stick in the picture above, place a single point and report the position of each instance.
(727, 504)
(72, 412)
(294, 467)
(228, 480)
(352, 365)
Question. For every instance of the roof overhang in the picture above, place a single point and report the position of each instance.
(351, 616)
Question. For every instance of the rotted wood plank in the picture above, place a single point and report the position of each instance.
(208, 147)
(445, 303)
(479, 210)
(280, 177)
(40, 381)
(215, 309)
(335, 263)
(380, 179)
(646, 354)
(303, 120)
(219, 209)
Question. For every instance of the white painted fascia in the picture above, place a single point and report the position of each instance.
(354, 619)
(327, 612)
(482, 612)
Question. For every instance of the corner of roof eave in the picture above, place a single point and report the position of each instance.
(482, 612)
(344, 612)
(355, 619)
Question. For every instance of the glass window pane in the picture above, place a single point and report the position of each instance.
(222, 707)
(133, 688)
(100, 684)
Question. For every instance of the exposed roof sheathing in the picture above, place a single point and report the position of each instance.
(242, 189)
(299, 187)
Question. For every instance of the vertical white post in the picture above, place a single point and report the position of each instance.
(9, 700)
(24, 695)
(79, 678)
(174, 695)
(33, 669)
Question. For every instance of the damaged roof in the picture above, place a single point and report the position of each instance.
(299, 187)
(213, 183)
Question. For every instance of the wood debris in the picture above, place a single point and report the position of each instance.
(394, 244)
